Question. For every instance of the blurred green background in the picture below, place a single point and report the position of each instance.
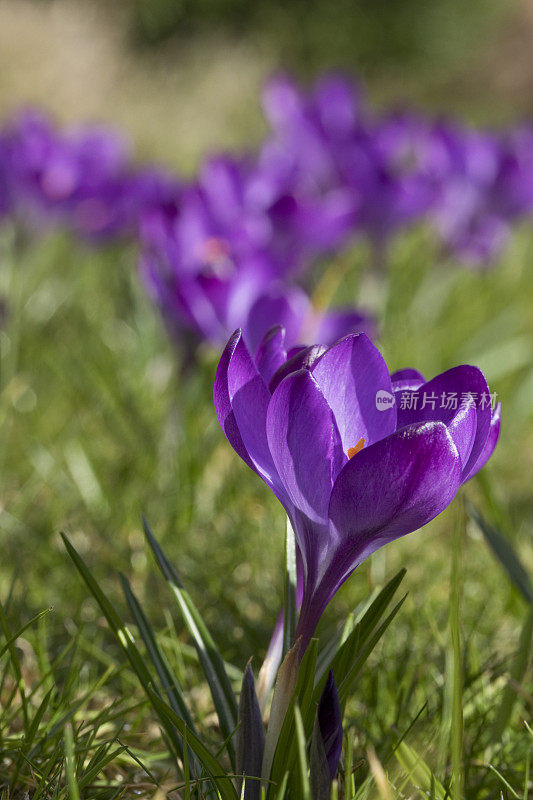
(183, 76)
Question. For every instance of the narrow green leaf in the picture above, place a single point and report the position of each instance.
(213, 767)
(290, 606)
(169, 682)
(348, 786)
(15, 663)
(210, 658)
(70, 764)
(457, 776)
(281, 793)
(505, 554)
(351, 676)
(526, 775)
(107, 756)
(305, 789)
(319, 776)
(505, 782)
(30, 736)
(418, 772)
(13, 638)
(121, 632)
(342, 660)
(518, 671)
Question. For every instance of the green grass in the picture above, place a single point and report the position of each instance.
(103, 419)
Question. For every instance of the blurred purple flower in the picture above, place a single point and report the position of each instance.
(4, 190)
(515, 178)
(300, 160)
(473, 208)
(353, 465)
(79, 178)
(213, 261)
(341, 167)
(56, 176)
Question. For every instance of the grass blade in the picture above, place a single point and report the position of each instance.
(169, 684)
(342, 660)
(518, 671)
(505, 554)
(122, 634)
(210, 658)
(305, 789)
(70, 764)
(213, 767)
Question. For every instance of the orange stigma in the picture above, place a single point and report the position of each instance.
(359, 446)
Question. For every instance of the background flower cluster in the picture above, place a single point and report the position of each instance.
(230, 247)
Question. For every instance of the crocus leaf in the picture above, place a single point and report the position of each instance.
(208, 654)
(122, 634)
(505, 554)
(517, 672)
(346, 686)
(250, 737)
(418, 772)
(281, 700)
(289, 602)
(304, 787)
(168, 681)
(285, 756)
(211, 765)
(354, 644)
(319, 774)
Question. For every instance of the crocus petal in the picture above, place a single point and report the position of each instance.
(271, 353)
(490, 444)
(298, 358)
(305, 444)
(222, 401)
(330, 722)
(432, 402)
(350, 375)
(392, 488)
(241, 402)
(385, 491)
(463, 428)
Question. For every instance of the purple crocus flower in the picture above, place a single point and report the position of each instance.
(357, 457)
